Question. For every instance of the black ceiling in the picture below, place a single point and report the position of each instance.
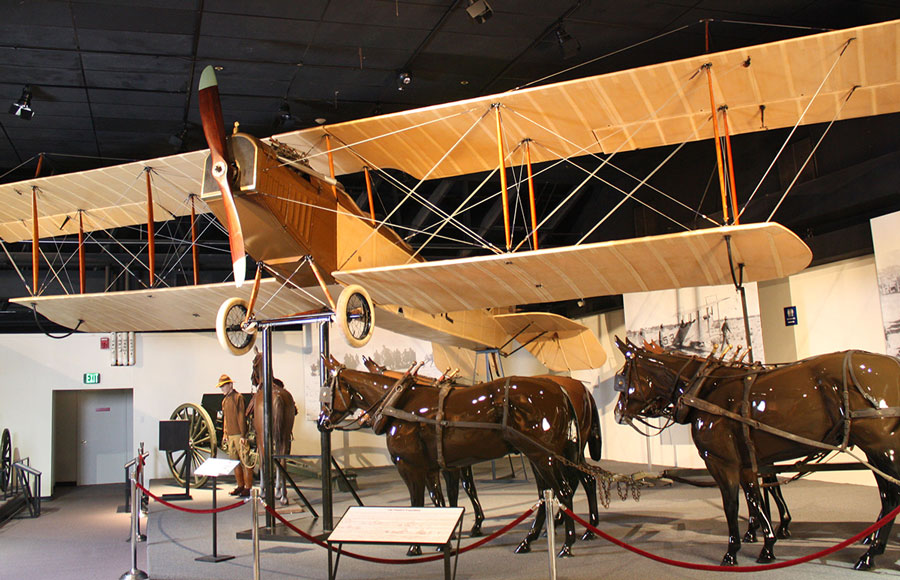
(116, 80)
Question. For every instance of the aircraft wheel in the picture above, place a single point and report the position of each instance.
(356, 315)
(5, 461)
(228, 327)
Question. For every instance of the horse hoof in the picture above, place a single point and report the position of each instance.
(783, 534)
(729, 560)
(523, 548)
(750, 538)
(765, 557)
(414, 551)
(565, 552)
(865, 563)
(588, 536)
(475, 533)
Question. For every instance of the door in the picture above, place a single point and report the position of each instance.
(104, 435)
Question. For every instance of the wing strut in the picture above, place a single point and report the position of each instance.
(503, 189)
(194, 240)
(81, 275)
(534, 226)
(151, 247)
(715, 120)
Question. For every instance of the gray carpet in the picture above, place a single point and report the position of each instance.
(80, 535)
(679, 522)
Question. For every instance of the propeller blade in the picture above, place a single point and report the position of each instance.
(214, 130)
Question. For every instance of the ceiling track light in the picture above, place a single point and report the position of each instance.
(22, 107)
(403, 80)
(568, 44)
(479, 10)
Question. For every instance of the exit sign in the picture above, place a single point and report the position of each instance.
(92, 378)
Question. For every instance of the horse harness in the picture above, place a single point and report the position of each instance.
(690, 399)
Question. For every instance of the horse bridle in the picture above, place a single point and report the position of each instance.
(350, 423)
(665, 410)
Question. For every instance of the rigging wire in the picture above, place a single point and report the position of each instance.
(811, 153)
(797, 124)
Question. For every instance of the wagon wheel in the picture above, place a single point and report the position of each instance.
(5, 461)
(229, 320)
(201, 439)
(356, 315)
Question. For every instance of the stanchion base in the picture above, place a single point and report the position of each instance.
(176, 496)
(217, 558)
(134, 575)
(140, 538)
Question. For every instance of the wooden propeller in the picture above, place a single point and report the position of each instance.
(214, 130)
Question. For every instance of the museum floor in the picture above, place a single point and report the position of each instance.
(79, 535)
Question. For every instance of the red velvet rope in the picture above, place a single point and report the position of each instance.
(758, 568)
(472, 546)
(191, 510)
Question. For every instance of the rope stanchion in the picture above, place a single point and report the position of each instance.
(373, 559)
(237, 504)
(716, 568)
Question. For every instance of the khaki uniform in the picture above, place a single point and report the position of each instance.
(235, 423)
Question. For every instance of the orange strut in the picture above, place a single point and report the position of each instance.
(734, 210)
(81, 251)
(503, 192)
(253, 294)
(330, 164)
(35, 236)
(712, 107)
(322, 284)
(194, 241)
(531, 193)
(369, 191)
(150, 238)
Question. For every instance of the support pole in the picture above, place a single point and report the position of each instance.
(268, 464)
(325, 437)
(151, 248)
(503, 186)
(534, 233)
(134, 573)
(194, 253)
(254, 526)
(551, 531)
(81, 268)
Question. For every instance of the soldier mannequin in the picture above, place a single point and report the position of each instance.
(235, 431)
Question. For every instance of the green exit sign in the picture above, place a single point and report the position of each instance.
(92, 378)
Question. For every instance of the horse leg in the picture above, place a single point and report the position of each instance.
(565, 492)
(415, 480)
(726, 477)
(590, 490)
(434, 487)
(468, 482)
(750, 484)
(890, 499)
(538, 524)
(784, 515)
(772, 490)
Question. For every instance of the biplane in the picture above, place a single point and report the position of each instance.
(283, 204)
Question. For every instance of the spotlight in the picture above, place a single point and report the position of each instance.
(403, 80)
(479, 10)
(568, 45)
(22, 107)
(284, 119)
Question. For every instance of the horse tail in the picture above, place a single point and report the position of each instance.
(595, 440)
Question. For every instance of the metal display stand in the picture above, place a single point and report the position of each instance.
(215, 468)
(431, 526)
(175, 436)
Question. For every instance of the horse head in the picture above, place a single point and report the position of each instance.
(650, 382)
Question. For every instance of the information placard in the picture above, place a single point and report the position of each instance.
(397, 525)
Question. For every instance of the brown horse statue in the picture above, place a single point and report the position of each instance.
(589, 432)
(743, 417)
(431, 428)
(283, 413)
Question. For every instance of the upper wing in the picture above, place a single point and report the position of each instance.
(645, 107)
(110, 197)
(695, 258)
(561, 344)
